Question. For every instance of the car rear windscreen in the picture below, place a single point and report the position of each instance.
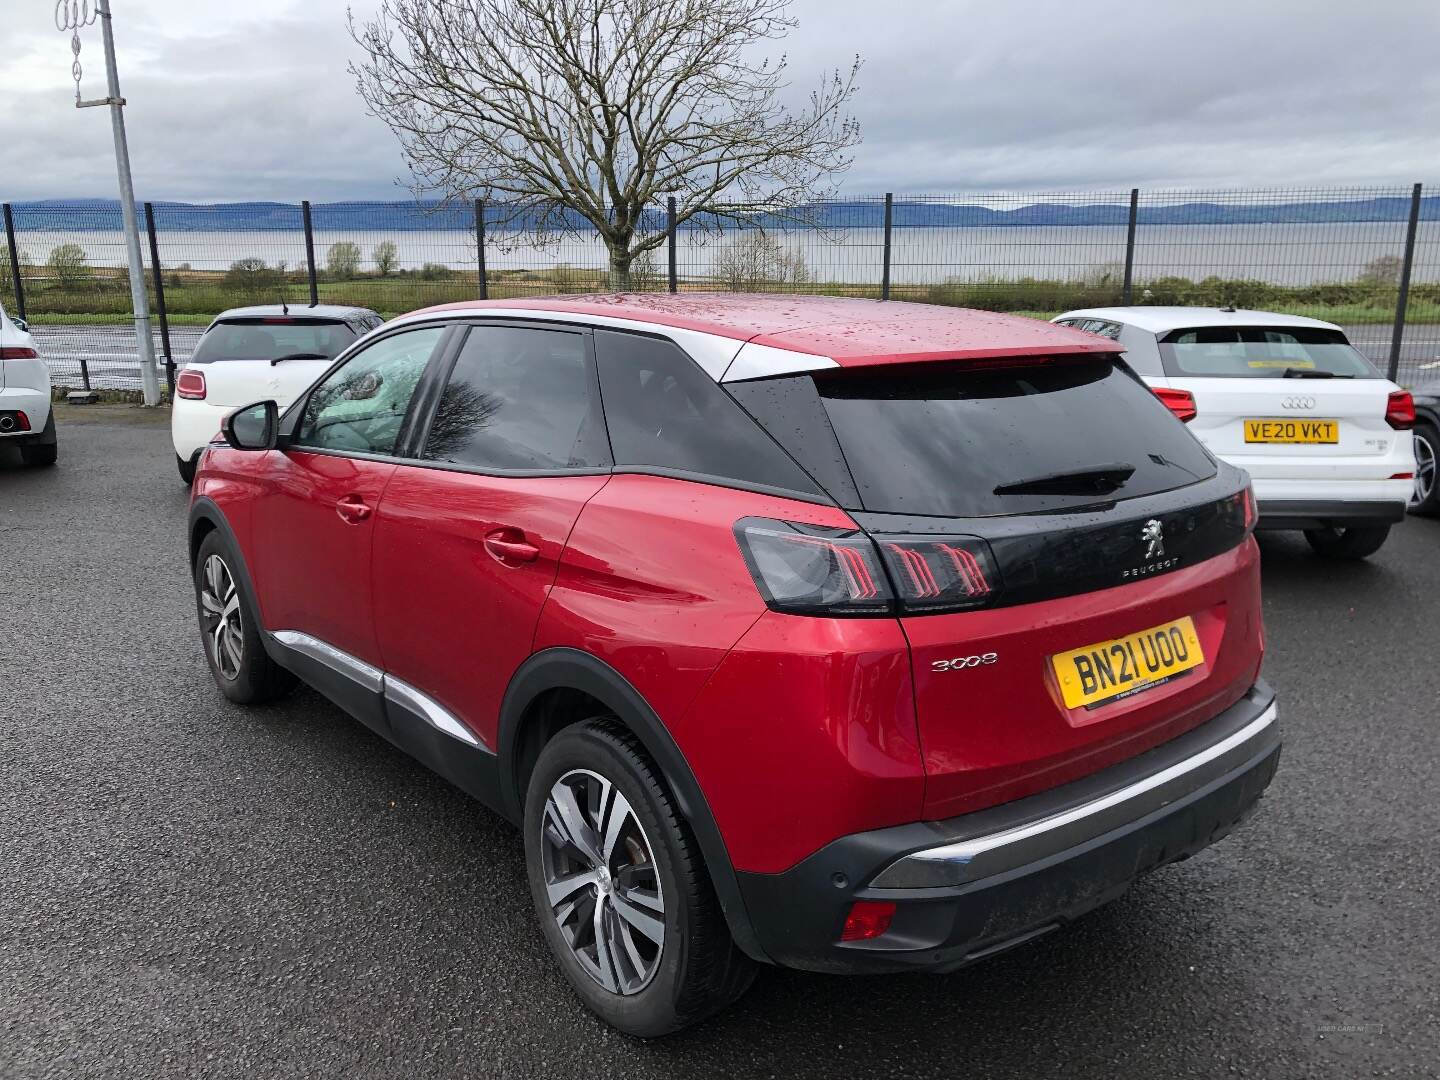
(957, 441)
(271, 339)
(1262, 352)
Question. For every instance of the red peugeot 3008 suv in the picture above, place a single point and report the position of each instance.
(836, 634)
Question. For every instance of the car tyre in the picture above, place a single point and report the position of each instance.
(45, 450)
(598, 813)
(230, 632)
(1426, 499)
(186, 468)
(1352, 542)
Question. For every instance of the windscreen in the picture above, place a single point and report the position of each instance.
(960, 441)
(271, 339)
(1262, 352)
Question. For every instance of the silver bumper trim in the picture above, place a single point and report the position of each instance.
(982, 856)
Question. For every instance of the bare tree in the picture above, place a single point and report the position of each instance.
(563, 112)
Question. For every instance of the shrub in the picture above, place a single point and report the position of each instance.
(755, 259)
(342, 261)
(434, 272)
(68, 265)
(384, 256)
(254, 279)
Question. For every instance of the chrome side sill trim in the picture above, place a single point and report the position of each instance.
(429, 710)
(337, 660)
(379, 682)
(958, 860)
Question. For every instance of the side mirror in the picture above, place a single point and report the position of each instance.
(254, 427)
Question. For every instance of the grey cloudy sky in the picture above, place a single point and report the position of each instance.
(251, 100)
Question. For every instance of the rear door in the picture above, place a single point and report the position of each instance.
(274, 357)
(1281, 401)
(470, 532)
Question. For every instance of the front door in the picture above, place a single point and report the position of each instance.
(468, 539)
(314, 525)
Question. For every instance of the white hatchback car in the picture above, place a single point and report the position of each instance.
(271, 352)
(26, 419)
(1325, 438)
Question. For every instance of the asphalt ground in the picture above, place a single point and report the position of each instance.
(189, 888)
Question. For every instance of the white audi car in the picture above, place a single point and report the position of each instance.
(271, 352)
(26, 419)
(1324, 436)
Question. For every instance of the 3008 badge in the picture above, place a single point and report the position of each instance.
(958, 663)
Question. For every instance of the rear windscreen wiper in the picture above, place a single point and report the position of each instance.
(1312, 373)
(299, 356)
(1096, 479)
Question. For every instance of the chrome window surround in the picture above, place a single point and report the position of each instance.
(379, 682)
(964, 861)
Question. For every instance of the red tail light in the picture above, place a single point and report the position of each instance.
(1179, 402)
(867, 919)
(809, 570)
(16, 352)
(1400, 411)
(931, 574)
(190, 384)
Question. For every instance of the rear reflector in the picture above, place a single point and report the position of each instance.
(1400, 411)
(1179, 402)
(190, 384)
(867, 919)
(1402, 476)
(16, 352)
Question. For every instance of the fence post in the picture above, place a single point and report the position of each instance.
(674, 279)
(14, 263)
(480, 248)
(160, 299)
(1397, 336)
(1128, 291)
(885, 265)
(310, 252)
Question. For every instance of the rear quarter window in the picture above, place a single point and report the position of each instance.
(664, 413)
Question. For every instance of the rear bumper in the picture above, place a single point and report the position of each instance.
(975, 885)
(35, 404)
(1319, 513)
(194, 423)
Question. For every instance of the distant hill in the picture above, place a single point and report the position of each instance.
(80, 215)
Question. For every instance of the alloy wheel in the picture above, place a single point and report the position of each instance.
(1424, 470)
(220, 611)
(601, 882)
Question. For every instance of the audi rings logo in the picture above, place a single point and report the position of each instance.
(1298, 403)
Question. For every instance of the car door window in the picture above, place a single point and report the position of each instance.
(519, 399)
(361, 405)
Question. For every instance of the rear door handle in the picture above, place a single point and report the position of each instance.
(508, 545)
(354, 509)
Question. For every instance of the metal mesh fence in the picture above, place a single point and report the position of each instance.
(1334, 254)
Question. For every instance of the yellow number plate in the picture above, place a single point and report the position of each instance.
(1292, 431)
(1098, 674)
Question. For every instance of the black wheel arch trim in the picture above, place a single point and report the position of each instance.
(572, 669)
